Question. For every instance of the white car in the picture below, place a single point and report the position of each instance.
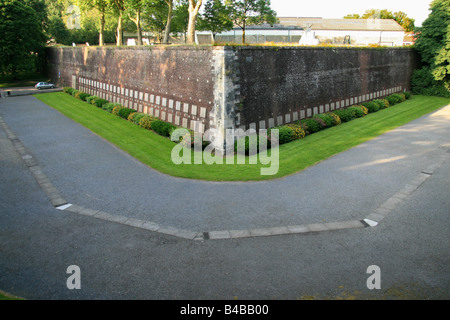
(44, 85)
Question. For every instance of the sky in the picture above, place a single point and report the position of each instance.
(415, 9)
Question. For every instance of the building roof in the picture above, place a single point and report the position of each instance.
(343, 24)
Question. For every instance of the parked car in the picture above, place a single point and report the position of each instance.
(44, 85)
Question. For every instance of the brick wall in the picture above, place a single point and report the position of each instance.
(233, 87)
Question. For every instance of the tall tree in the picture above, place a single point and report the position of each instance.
(193, 9)
(216, 17)
(180, 19)
(401, 17)
(251, 12)
(168, 21)
(433, 46)
(119, 6)
(154, 17)
(135, 8)
(102, 6)
(22, 36)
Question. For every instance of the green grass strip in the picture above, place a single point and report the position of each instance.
(155, 151)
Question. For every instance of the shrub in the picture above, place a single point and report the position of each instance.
(146, 122)
(407, 95)
(116, 109)
(344, 114)
(363, 109)
(357, 112)
(297, 130)
(75, 92)
(125, 112)
(386, 103)
(285, 134)
(110, 106)
(82, 96)
(311, 125)
(135, 117)
(91, 98)
(68, 90)
(251, 143)
(325, 118)
(162, 128)
(99, 102)
(380, 103)
(371, 106)
(395, 98)
(335, 117)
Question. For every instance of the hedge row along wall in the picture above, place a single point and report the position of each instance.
(221, 88)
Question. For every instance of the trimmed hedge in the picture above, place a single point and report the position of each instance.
(162, 128)
(110, 106)
(371, 106)
(287, 133)
(125, 112)
(344, 114)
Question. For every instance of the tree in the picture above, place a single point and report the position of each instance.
(154, 17)
(193, 9)
(180, 19)
(401, 17)
(119, 6)
(168, 21)
(135, 8)
(102, 6)
(433, 46)
(251, 12)
(216, 17)
(22, 36)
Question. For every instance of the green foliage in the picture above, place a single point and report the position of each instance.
(252, 142)
(110, 106)
(401, 17)
(344, 114)
(82, 96)
(326, 118)
(357, 112)
(125, 112)
(285, 134)
(395, 98)
(297, 131)
(335, 117)
(310, 125)
(215, 17)
(68, 90)
(433, 46)
(146, 122)
(135, 117)
(162, 128)
(99, 102)
(251, 12)
(22, 37)
(91, 99)
(371, 106)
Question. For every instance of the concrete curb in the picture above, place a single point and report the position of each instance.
(372, 219)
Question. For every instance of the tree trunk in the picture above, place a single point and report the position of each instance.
(243, 33)
(101, 41)
(138, 26)
(193, 12)
(119, 30)
(169, 21)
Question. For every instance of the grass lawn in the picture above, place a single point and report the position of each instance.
(155, 151)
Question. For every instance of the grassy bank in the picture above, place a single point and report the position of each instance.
(155, 151)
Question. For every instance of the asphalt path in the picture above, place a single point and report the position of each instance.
(37, 242)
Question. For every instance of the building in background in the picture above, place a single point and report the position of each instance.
(357, 32)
